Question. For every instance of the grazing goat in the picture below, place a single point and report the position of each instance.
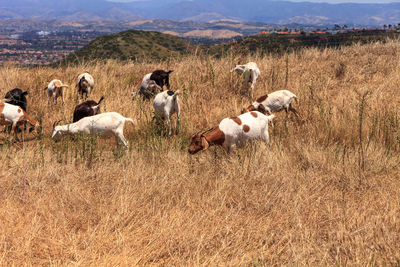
(104, 124)
(55, 89)
(17, 97)
(148, 88)
(15, 116)
(251, 72)
(233, 131)
(86, 109)
(274, 102)
(165, 104)
(85, 84)
(161, 77)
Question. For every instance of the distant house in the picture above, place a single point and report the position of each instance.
(320, 32)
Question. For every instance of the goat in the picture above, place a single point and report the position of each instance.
(148, 88)
(55, 89)
(104, 124)
(85, 84)
(251, 72)
(161, 77)
(165, 104)
(233, 131)
(15, 116)
(274, 102)
(17, 97)
(86, 109)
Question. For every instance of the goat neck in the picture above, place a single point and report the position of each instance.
(214, 136)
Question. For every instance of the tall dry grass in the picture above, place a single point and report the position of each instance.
(325, 192)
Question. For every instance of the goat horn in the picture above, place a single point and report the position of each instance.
(206, 131)
(196, 133)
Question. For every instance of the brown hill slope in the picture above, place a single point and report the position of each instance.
(324, 192)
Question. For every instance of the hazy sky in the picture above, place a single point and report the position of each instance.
(348, 1)
(316, 1)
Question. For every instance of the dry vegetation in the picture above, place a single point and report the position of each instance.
(325, 192)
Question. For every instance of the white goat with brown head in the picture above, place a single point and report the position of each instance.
(233, 131)
(274, 102)
(16, 116)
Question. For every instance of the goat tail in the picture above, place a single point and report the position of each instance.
(270, 117)
(170, 71)
(295, 98)
(101, 99)
(130, 120)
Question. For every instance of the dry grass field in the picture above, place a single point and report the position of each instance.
(324, 192)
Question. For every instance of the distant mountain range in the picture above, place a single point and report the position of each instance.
(267, 11)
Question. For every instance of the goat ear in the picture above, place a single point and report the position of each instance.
(261, 109)
(204, 143)
(25, 93)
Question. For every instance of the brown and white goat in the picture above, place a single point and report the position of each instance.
(274, 102)
(15, 116)
(85, 84)
(55, 89)
(232, 132)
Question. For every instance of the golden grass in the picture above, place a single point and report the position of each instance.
(318, 195)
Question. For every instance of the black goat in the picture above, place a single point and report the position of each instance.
(161, 77)
(86, 109)
(17, 97)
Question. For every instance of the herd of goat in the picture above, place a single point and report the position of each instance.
(251, 124)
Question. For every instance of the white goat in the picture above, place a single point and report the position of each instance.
(274, 102)
(55, 89)
(251, 72)
(165, 104)
(85, 84)
(15, 116)
(233, 131)
(104, 124)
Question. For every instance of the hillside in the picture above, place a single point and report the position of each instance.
(324, 192)
(277, 43)
(132, 45)
(146, 45)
